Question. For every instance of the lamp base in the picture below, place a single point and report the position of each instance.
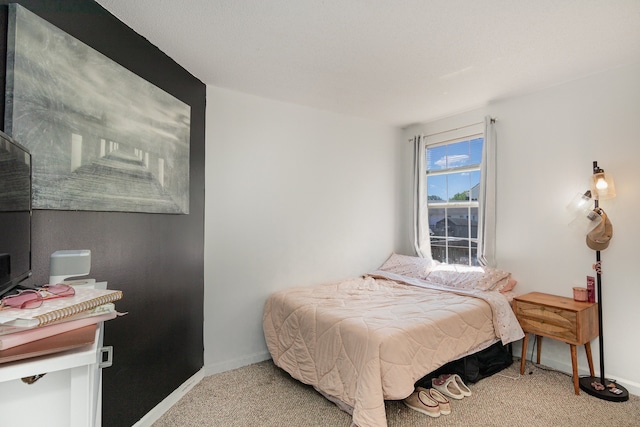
(606, 394)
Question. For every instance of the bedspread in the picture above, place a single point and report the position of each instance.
(367, 339)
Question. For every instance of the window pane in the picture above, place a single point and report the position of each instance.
(458, 222)
(474, 256)
(474, 178)
(438, 249)
(458, 255)
(437, 158)
(437, 222)
(473, 216)
(436, 188)
(476, 151)
(458, 186)
(458, 154)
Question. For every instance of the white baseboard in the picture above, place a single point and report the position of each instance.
(154, 415)
(228, 365)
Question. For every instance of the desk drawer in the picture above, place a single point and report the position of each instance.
(547, 321)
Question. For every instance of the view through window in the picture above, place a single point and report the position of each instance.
(453, 184)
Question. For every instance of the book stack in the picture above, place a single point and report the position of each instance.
(88, 306)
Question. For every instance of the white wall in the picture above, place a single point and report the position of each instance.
(546, 144)
(298, 196)
(294, 196)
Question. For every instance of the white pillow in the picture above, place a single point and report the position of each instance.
(468, 277)
(410, 266)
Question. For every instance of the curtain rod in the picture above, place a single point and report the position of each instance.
(493, 120)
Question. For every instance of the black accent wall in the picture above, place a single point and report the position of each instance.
(155, 259)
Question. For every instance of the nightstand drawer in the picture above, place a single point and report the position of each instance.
(549, 321)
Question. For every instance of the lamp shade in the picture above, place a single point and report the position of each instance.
(602, 185)
(582, 217)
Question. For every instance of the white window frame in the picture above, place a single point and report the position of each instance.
(446, 138)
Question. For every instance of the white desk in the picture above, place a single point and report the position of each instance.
(69, 395)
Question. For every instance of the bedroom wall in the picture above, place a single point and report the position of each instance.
(295, 196)
(546, 144)
(155, 259)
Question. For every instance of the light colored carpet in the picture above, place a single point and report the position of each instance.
(262, 395)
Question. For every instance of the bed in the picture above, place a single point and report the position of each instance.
(368, 339)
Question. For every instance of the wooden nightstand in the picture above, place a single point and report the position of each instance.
(560, 318)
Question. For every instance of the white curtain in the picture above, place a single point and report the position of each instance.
(421, 238)
(487, 197)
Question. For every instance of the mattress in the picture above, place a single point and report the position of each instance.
(367, 339)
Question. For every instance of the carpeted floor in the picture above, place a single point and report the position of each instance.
(262, 395)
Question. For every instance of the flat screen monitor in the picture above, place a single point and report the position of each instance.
(15, 213)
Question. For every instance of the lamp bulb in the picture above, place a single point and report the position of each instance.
(601, 184)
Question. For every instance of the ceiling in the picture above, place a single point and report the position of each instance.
(392, 61)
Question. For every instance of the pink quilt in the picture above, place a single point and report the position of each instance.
(364, 340)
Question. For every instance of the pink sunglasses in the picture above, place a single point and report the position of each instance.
(33, 298)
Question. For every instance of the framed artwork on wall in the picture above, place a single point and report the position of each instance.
(101, 137)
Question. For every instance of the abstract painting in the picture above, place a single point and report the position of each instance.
(101, 137)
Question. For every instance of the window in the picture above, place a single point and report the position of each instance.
(452, 186)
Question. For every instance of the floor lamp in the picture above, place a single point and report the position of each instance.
(602, 187)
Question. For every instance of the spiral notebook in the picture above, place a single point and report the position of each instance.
(56, 309)
(7, 329)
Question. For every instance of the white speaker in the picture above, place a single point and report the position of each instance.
(69, 263)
